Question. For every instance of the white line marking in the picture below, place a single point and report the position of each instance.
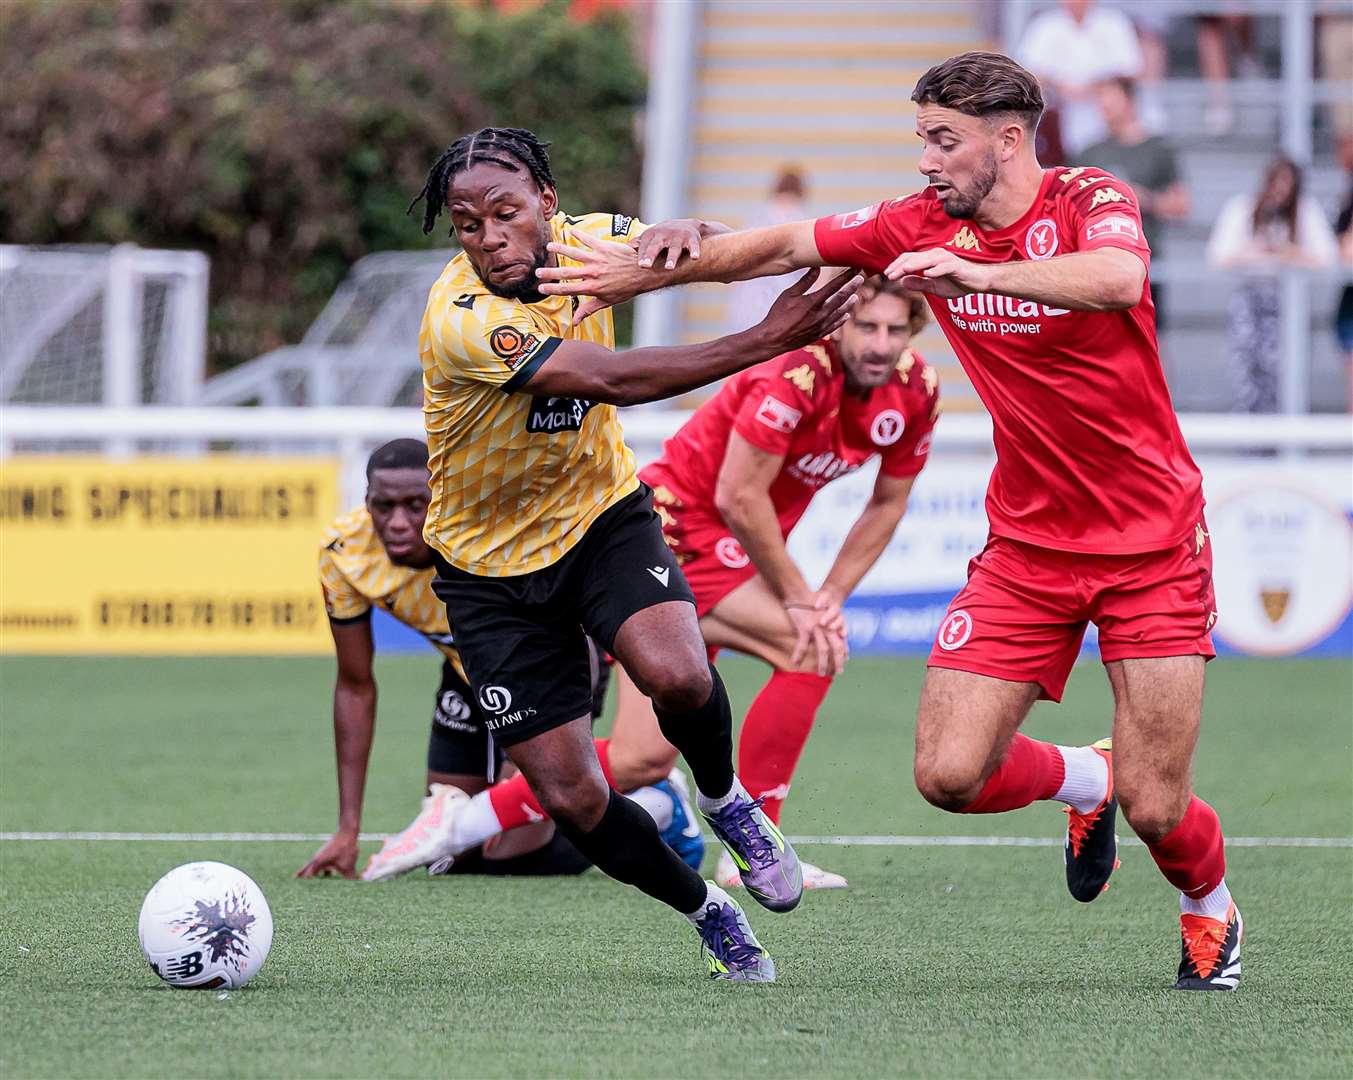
(832, 841)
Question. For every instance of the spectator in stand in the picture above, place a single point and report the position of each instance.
(1071, 48)
(1147, 162)
(1214, 61)
(750, 300)
(1263, 235)
(1343, 227)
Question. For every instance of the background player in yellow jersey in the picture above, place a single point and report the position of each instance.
(542, 532)
(375, 556)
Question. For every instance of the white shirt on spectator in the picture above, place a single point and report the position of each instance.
(1102, 45)
(1233, 234)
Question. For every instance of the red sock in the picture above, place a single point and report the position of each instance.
(774, 734)
(1031, 770)
(516, 804)
(1192, 855)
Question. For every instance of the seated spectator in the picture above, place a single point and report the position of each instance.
(1278, 229)
(1147, 162)
(1071, 48)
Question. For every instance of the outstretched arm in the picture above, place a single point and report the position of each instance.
(354, 726)
(1105, 279)
(610, 273)
(580, 369)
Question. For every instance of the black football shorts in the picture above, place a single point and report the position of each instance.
(523, 639)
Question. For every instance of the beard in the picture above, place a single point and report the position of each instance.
(964, 204)
(527, 290)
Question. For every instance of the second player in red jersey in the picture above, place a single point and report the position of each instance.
(1039, 280)
(734, 481)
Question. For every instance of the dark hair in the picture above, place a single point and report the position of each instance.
(918, 312)
(508, 148)
(789, 181)
(1285, 211)
(982, 84)
(398, 454)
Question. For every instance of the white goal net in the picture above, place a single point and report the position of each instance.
(101, 326)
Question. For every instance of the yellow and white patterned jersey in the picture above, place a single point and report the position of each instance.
(516, 479)
(357, 575)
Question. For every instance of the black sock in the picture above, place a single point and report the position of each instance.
(705, 739)
(625, 844)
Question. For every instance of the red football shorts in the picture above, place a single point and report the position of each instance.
(709, 555)
(1024, 610)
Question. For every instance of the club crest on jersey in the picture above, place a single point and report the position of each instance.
(887, 427)
(778, 416)
(855, 218)
(512, 346)
(803, 377)
(1041, 242)
(955, 631)
(729, 552)
(1107, 195)
(1113, 225)
(964, 240)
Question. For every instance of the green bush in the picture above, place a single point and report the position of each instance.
(286, 138)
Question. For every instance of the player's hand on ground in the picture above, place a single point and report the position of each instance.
(607, 273)
(802, 314)
(825, 648)
(939, 273)
(337, 856)
(663, 244)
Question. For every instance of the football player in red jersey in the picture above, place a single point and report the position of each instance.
(730, 486)
(1038, 278)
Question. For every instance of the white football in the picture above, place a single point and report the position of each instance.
(205, 926)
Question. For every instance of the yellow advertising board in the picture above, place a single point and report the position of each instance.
(163, 555)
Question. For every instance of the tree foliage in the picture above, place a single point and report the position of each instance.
(286, 138)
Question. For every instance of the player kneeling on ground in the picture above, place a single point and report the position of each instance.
(733, 483)
(376, 555)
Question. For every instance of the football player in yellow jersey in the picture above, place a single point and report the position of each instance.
(375, 556)
(542, 533)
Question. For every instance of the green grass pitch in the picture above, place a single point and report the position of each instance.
(938, 961)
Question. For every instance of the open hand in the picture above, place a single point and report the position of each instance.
(939, 273)
(607, 273)
(828, 647)
(337, 856)
(800, 317)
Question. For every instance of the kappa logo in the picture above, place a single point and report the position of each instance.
(818, 353)
(964, 240)
(1107, 195)
(495, 699)
(729, 552)
(887, 427)
(803, 377)
(660, 574)
(511, 345)
(955, 631)
(778, 416)
(905, 363)
(1041, 242)
(1113, 225)
(1089, 180)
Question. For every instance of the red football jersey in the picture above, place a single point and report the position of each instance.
(1089, 455)
(796, 405)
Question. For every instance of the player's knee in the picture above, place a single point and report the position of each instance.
(578, 800)
(651, 765)
(1152, 813)
(680, 686)
(947, 785)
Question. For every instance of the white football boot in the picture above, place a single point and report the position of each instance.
(427, 839)
(726, 876)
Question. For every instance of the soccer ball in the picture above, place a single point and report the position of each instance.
(205, 926)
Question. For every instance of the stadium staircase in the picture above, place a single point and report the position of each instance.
(823, 85)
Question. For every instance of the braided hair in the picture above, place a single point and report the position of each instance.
(508, 148)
